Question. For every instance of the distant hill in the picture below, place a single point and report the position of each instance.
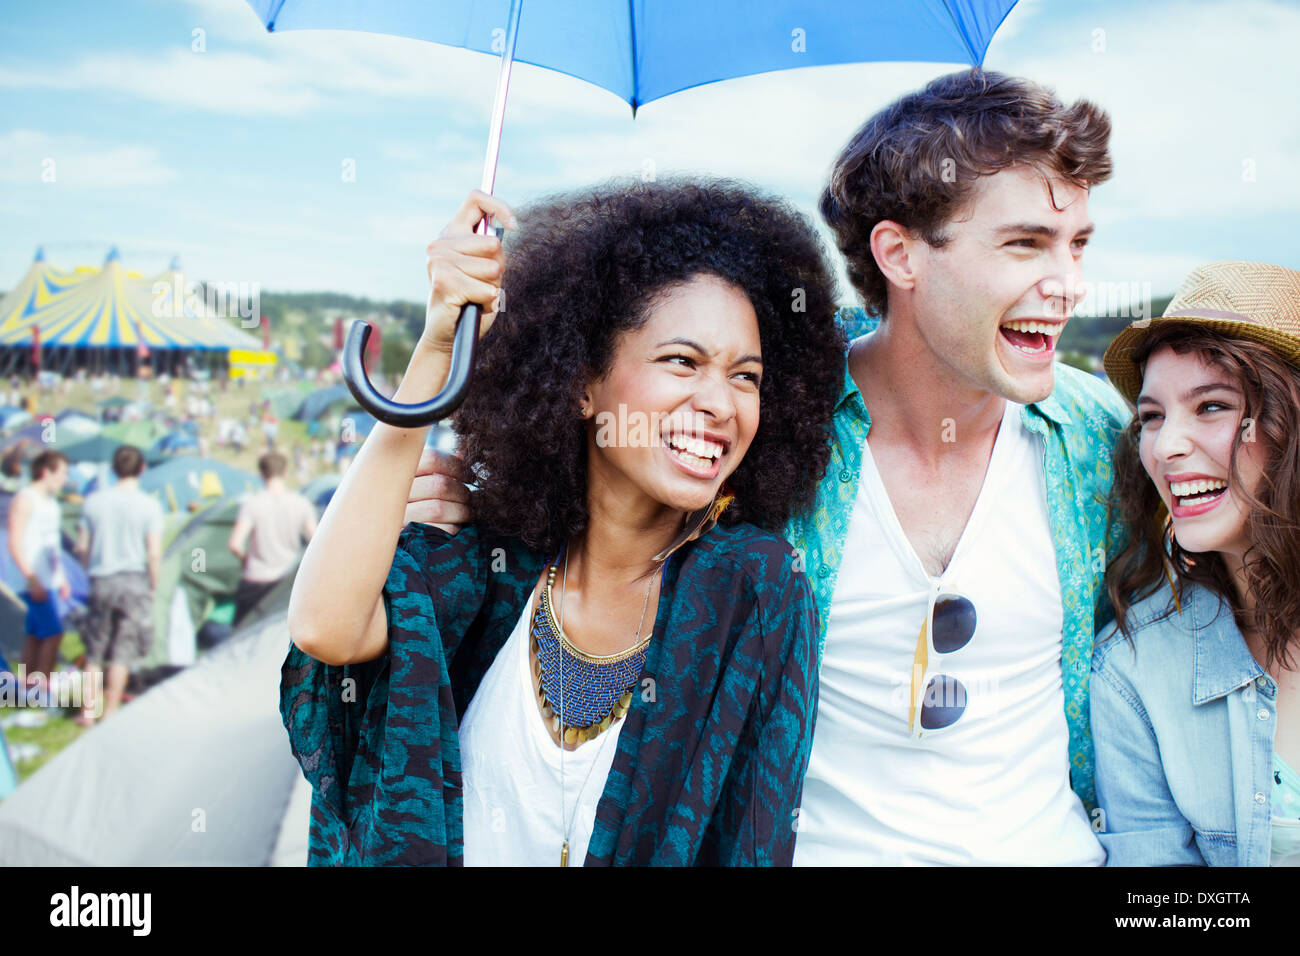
(1089, 335)
(276, 305)
(307, 320)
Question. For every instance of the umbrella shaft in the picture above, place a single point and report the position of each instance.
(499, 103)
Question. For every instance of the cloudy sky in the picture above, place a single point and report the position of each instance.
(234, 155)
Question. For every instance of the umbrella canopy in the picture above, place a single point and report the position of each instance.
(639, 50)
(645, 49)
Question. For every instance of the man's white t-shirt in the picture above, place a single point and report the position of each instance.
(279, 522)
(511, 770)
(994, 787)
(119, 520)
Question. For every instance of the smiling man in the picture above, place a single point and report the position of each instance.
(960, 537)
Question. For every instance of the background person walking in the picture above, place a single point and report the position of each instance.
(120, 542)
(34, 548)
(269, 533)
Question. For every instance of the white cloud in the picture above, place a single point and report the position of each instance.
(35, 158)
(1194, 89)
(1199, 95)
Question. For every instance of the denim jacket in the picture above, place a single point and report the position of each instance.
(1183, 721)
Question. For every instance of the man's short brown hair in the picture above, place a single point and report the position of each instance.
(128, 462)
(916, 162)
(47, 460)
(272, 464)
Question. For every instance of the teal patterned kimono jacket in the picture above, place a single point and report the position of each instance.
(710, 762)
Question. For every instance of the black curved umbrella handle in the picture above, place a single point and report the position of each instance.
(424, 413)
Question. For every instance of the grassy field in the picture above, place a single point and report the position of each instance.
(234, 403)
(58, 731)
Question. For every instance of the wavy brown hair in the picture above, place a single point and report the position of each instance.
(585, 268)
(916, 162)
(1271, 389)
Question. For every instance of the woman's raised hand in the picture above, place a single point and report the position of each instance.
(464, 267)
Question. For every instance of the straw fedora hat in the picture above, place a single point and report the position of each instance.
(1241, 300)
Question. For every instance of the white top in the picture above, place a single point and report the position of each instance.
(511, 770)
(994, 787)
(42, 545)
(279, 521)
(119, 520)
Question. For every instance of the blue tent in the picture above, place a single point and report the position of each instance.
(30, 434)
(11, 415)
(73, 421)
(97, 449)
(318, 402)
(175, 443)
(180, 482)
(321, 489)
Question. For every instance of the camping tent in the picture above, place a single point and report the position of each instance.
(27, 434)
(173, 443)
(73, 421)
(141, 433)
(195, 772)
(197, 581)
(11, 416)
(319, 402)
(321, 489)
(13, 616)
(182, 482)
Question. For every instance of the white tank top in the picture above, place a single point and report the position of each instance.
(42, 546)
(993, 788)
(511, 770)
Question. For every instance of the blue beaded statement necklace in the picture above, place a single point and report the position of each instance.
(580, 693)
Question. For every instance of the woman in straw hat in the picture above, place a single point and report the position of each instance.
(1196, 716)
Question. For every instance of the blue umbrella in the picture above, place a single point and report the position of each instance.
(640, 50)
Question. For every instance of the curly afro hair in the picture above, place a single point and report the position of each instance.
(584, 268)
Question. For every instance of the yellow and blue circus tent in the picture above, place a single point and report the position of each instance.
(88, 313)
(42, 286)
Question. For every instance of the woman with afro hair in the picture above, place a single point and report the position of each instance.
(616, 662)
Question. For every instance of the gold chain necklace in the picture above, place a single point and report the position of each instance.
(623, 703)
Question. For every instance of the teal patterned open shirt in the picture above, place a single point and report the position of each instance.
(1079, 423)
